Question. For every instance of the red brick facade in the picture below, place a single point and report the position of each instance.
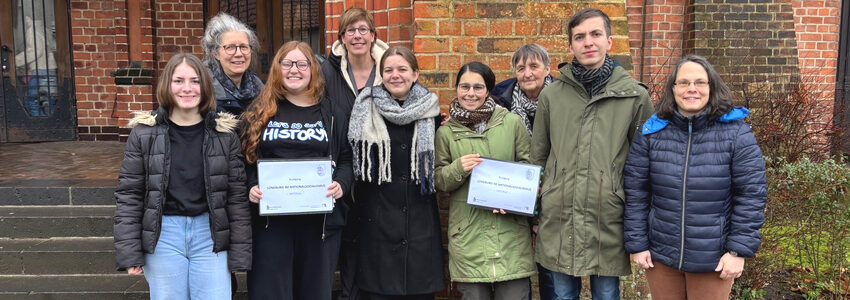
(649, 37)
(101, 48)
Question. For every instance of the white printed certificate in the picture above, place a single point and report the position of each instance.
(512, 186)
(294, 187)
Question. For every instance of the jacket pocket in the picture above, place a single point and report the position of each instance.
(650, 225)
(617, 182)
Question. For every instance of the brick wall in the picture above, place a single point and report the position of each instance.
(656, 39)
(393, 19)
(817, 24)
(449, 34)
(101, 49)
(94, 46)
(748, 43)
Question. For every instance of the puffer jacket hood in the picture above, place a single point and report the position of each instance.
(654, 124)
(222, 121)
(339, 58)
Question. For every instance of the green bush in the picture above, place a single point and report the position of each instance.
(806, 236)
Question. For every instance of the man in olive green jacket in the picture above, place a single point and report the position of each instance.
(582, 132)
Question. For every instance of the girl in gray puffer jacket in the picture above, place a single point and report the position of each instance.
(182, 217)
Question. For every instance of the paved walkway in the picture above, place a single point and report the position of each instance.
(58, 161)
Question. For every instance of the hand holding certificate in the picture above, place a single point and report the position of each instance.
(511, 186)
(295, 186)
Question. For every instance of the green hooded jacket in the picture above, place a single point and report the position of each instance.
(483, 246)
(582, 144)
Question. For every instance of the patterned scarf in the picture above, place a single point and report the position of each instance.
(524, 107)
(473, 119)
(250, 82)
(594, 80)
(373, 106)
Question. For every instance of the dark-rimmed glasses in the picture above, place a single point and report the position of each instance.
(362, 30)
(231, 49)
(302, 65)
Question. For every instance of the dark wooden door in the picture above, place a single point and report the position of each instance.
(36, 96)
(842, 79)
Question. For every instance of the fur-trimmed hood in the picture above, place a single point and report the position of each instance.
(222, 121)
(378, 48)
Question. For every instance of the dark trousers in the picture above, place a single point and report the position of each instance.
(291, 260)
(516, 289)
(348, 270)
(364, 295)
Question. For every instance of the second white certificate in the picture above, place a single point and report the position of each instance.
(293, 187)
(512, 186)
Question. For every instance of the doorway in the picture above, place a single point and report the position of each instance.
(36, 96)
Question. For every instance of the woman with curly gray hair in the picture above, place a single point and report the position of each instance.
(228, 46)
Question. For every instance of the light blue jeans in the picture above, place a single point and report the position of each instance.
(183, 265)
(567, 287)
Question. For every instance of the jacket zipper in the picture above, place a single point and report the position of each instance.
(684, 191)
(599, 219)
(207, 185)
(331, 156)
(165, 169)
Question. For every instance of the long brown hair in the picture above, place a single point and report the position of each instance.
(264, 107)
(163, 85)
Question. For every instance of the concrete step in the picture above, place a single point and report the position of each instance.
(57, 191)
(56, 221)
(74, 255)
(240, 295)
(83, 286)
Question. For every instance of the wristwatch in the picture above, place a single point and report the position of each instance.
(733, 253)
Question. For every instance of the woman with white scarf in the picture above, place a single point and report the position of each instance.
(399, 251)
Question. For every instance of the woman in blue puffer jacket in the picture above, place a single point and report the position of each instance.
(695, 188)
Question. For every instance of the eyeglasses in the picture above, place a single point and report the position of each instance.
(685, 84)
(302, 65)
(477, 88)
(362, 30)
(231, 49)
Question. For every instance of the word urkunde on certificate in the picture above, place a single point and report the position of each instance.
(293, 187)
(512, 186)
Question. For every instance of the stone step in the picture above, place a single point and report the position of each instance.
(56, 221)
(57, 191)
(70, 255)
(240, 295)
(80, 286)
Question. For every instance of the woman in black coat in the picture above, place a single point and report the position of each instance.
(182, 216)
(295, 255)
(399, 246)
(695, 188)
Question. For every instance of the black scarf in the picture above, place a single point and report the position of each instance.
(250, 84)
(594, 80)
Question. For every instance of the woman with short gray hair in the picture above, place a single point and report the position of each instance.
(518, 95)
(228, 46)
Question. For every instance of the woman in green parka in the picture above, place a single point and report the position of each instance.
(490, 254)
